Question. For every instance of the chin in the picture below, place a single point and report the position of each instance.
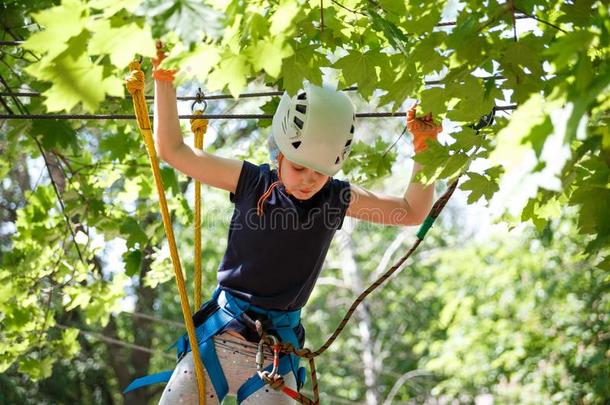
(302, 196)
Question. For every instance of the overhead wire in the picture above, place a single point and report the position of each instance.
(255, 94)
(190, 116)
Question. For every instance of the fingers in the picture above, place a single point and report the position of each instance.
(411, 113)
(161, 54)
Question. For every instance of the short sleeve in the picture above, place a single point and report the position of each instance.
(250, 179)
(341, 195)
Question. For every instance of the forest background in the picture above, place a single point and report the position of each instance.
(507, 299)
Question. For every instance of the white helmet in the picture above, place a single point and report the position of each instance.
(315, 128)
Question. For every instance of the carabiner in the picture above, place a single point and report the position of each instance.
(199, 98)
(260, 358)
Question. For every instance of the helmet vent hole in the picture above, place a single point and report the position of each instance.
(301, 108)
(298, 122)
(302, 96)
(296, 144)
(348, 143)
(351, 131)
(338, 160)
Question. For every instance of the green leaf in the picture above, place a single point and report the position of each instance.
(268, 54)
(60, 24)
(422, 16)
(121, 43)
(231, 73)
(198, 62)
(54, 133)
(111, 7)
(269, 108)
(133, 233)
(73, 81)
(538, 134)
(300, 66)
(566, 47)
(281, 20)
(400, 85)
(36, 368)
(133, 262)
(433, 160)
(465, 139)
(454, 166)
(434, 100)
(360, 68)
(529, 212)
(397, 39)
(170, 180)
(369, 163)
(480, 186)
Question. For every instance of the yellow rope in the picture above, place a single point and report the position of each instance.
(135, 86)
(199, 126)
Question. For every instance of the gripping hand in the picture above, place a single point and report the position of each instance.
(164, 75)
(423, 129)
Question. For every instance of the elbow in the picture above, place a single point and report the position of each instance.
(412, 217)
(164, 152)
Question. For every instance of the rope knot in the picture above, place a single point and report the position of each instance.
(276, 382)
(199, 125)
(135, 79)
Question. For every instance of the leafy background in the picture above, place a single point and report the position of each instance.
(507, 301)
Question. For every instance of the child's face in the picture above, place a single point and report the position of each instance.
(300, 181)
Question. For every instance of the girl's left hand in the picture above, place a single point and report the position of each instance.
(422, 128)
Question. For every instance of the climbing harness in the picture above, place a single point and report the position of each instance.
(222, 309)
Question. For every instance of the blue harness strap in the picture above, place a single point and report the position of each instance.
(231, 307)
(163, 376)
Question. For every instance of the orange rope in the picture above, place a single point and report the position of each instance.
(199, 127)
(135, 86)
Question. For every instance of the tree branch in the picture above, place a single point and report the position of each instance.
(401, 381)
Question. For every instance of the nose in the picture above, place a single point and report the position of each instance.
(310, 177)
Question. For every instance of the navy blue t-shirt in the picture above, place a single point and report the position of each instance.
(274, 260)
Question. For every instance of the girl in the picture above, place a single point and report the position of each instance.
(284, 219)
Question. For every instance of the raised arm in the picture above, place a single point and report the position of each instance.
(410, 209)
(209, 169)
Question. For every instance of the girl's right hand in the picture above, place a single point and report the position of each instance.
(164, 75)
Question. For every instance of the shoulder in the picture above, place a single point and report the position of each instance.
(339, 191)
(252, 179)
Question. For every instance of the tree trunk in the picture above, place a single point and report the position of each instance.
(354, 280)
(143, 331)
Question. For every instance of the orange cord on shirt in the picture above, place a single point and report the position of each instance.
(267, 193)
